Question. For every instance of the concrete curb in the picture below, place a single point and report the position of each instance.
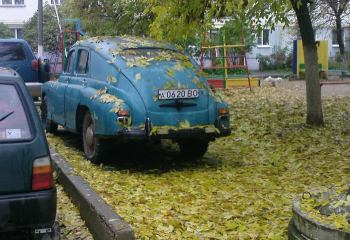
(102, 221)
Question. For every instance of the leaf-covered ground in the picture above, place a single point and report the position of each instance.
(242, 188)
(72, 226)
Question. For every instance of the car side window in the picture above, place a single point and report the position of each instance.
(83, 62)
(70, 62)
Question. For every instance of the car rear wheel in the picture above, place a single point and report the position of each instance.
(194, 148)
(93, 146)
(50, 126)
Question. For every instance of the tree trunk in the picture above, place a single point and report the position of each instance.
(340, 38)
(313, 88)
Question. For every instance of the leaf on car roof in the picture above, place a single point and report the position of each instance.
(170, 72)
(137, 62)
(108, 98)
(114, 52)
(178, 66)
(170, 84)
(99, 92)
(199, 84)
(184, 124)
(111, 79)
(111, 61)
(138, 76)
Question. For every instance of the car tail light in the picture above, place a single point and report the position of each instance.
(123, 117)
(123, 113)
(35, 65)
(223, 111)
(42, 174)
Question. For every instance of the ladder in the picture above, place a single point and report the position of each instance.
(224, 58)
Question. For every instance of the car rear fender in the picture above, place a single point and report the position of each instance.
(103, 113)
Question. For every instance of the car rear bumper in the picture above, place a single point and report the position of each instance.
(208, 133)
(27, 210)
(34, 88)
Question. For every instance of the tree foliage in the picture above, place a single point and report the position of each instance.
(51, 30)
(110, 17)
(333, 13)
(5, 31)
(175, 21)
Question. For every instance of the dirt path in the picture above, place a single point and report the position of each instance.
(340, 90)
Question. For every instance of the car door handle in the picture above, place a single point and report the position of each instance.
(83, 82)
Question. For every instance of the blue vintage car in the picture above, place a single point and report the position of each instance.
(128, 88)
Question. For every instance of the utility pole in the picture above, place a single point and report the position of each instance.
(40, 29)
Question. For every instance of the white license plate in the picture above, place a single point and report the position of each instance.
(178, 94)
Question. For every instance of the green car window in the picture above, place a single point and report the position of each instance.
(14, 123)
(83, 62)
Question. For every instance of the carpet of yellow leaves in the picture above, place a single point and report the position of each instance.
(72, 226)
(243, 187)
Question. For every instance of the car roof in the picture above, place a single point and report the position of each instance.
(12, 40)
(8, 74)
(109, 46)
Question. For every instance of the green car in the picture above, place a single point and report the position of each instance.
(27, 190)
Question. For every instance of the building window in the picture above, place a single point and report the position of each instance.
(12, 2)
(17, 33)
(6, 2)
(334, 37)
(58, 2)
(264, 38)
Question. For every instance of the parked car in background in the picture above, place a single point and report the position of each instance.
(17, 54)
(121, 89)
(27, 190)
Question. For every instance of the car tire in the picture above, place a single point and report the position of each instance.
(193, 148)
(93, 146)
(50, 126)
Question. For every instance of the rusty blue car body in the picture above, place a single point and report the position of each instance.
(119, 88)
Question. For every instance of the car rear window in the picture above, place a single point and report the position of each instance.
(153, 54)
(11, 51)
(14, 124)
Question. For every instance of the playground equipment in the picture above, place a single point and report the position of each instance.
(226, 64)
(70, 33)
(299, 62)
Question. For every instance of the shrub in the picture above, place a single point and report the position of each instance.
(280, 59)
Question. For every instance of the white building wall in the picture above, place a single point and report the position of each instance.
(279, 38)
(15, 15)
(333, 49)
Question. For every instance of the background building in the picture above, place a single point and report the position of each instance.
(14, 13)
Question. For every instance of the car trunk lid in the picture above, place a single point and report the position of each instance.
(171, 89)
